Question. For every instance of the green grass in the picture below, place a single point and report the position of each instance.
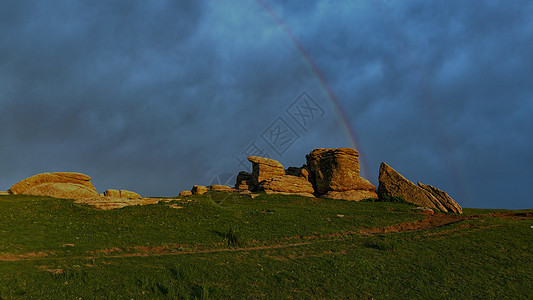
(222, 246)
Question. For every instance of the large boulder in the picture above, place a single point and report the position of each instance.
(287, 185)
(265, 168)
(62, 190)
(334, 169)
(59, 177)
(393, 184)
(66, 185)
(334, 173)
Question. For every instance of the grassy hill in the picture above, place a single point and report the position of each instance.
(227, 245)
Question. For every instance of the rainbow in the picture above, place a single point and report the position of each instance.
(343, 119)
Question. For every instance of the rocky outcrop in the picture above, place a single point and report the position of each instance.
(300, 172)
(288, 185)
(112, 193)
(65, 185)
(61, 190)
(59, 177)
(129, 194)
(334, 173)
(121, 194)
(264, 168)
(199, 190)
(245, 182)
(393, 184)
(185, 193)
(443, 198)
(220, 188)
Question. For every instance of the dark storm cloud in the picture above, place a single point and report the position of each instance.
(440, 90)
(157, 96)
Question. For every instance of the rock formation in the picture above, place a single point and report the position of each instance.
(199, 190)
(334, 173)
(393, 184)
(61, 190)
(264, 168)
(65, 185)
(443, 198)
(245, 181)
(331, 173)
(121, 194)
(288, 185)
(300, 172)
(185, 193)
(220, 188)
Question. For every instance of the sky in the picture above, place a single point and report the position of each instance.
(156, 96)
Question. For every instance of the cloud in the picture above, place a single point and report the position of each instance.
(157, 96)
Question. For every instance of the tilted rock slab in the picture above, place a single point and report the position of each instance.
(265, 168)
(287, 185)
(67, 185)
(442, 197)
(334, 173)
(392, 183)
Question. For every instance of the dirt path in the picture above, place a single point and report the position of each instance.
(431, 221)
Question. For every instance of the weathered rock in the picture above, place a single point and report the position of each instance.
(334, 169)
(265, 168)
(353, 195)
(199, 190)
(393, 184)
(287, 185)
(112, 193)
(245, 181)
(60, 177)
(61, 190)
(185, 193)
(221, 188)
(335, 174)
(443, 198)
(129, 194)
(300, 172)
(124, 194)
